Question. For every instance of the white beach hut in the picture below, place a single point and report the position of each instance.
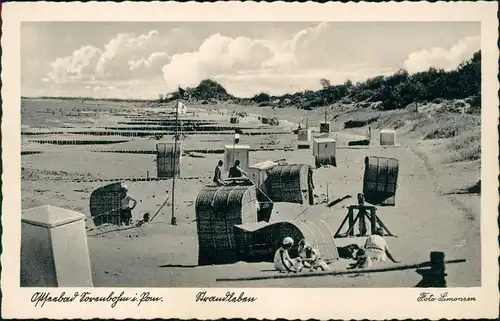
(237, 152)
(324, 151)
(257, 173)
(304, 138)
(387, 137)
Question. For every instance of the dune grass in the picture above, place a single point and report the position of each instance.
(462, 130)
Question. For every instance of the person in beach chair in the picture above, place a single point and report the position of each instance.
(376, 247)
(236, 171)
(310, 257)
(282, 261)
(126, 209)
(218, 174)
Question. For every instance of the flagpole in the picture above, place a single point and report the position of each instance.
(173, 220)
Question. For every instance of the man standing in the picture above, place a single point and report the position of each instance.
(236, 171)
(126, 209)
(218, 174)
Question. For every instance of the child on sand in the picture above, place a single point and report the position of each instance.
(310, 257)
(282, 260)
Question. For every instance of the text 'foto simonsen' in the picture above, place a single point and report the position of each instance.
(228, 297)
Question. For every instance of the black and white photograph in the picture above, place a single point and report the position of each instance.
(218, 154)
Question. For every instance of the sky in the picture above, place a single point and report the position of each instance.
(144, 59)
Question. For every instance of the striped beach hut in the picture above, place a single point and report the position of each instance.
(290, 184)
(380, 180)
(257, 242)
(168, 160)
(218, 209)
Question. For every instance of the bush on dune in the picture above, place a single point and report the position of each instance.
(448, 125)
(466, 146)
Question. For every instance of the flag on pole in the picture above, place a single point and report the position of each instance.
(181, 108)
(183, 93)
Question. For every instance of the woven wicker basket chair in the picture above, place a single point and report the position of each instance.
(257, 242)
(218, 209)
(290, 184)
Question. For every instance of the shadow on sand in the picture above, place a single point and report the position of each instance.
(178, 265)
(474, 189)
(338, 200)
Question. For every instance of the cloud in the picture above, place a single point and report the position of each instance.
(124, 56)
(125, 48)
(442, 58)
(75, 67)
(217, 55)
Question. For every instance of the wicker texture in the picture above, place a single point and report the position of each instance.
(165, 160)
(380, 180)
(105, 203)
(258, 242)
(288, 183)
(218, 209)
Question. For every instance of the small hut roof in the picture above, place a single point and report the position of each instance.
(287, 170)
(324, 140)
(221, 196)
(387, 130)
(237, 146)
(264, 165)
(168, 147)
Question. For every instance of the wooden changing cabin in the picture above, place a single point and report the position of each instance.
(380, 180)
(258, 173)
(166, 156)
(324, 151)
(257, 242)
(236, 152)
(218, 209)
(304, 138)
(290, 184)
(105, 204)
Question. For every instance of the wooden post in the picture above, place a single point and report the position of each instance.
(373, 219)
(351, 222)
(362, 221)
(438, 270)
(435, 276)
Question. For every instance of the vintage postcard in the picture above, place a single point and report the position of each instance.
(250, 160)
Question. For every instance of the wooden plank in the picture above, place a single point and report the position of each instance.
(330, 273)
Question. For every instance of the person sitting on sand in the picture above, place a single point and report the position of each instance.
(376, 247)
(236, 171)
(310, 257)
(282, 260)
(218, 174)
(126, 209)
(363, 261)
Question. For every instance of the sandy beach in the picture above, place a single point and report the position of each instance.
(433, 209)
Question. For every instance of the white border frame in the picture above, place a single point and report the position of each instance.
(272, 303)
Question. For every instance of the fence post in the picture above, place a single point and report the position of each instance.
(54, 251)
(438, 270)
(435, 276)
